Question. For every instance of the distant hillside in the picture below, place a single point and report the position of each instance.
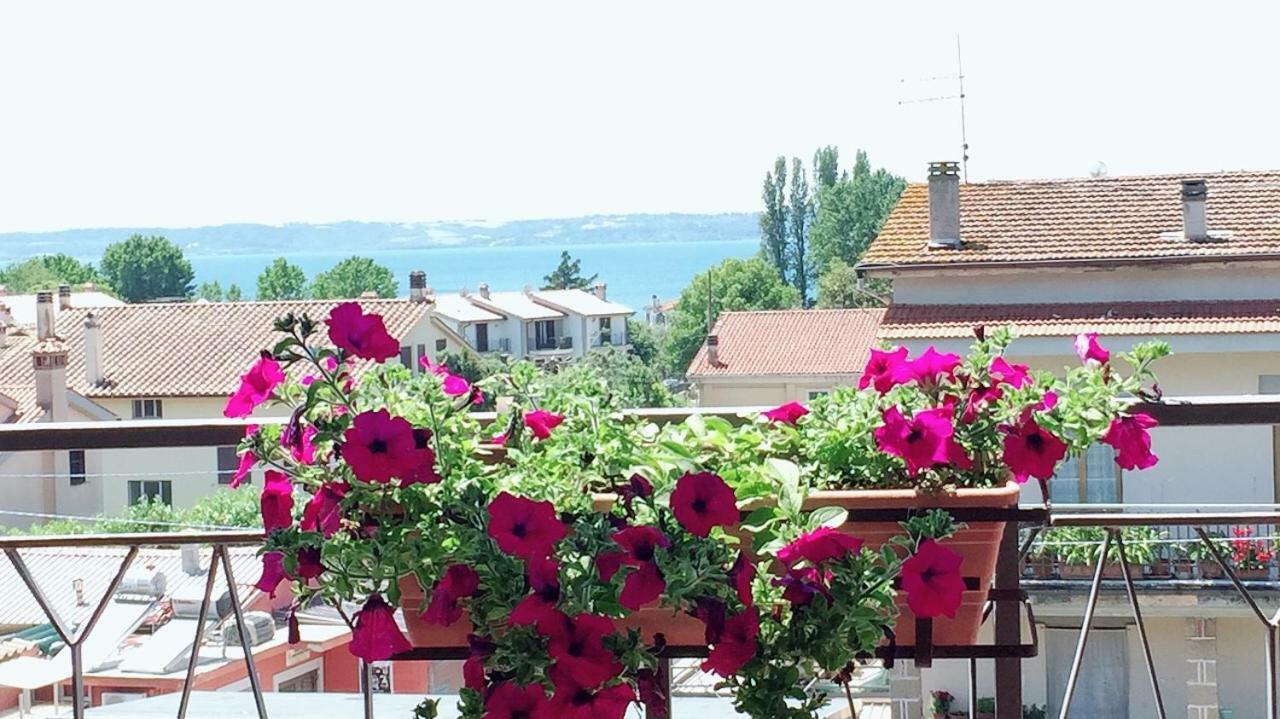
(367, 237)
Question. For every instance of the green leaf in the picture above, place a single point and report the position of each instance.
(828, 517)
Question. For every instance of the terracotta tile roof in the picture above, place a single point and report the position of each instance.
(181, 349)
(790, 342)
(1111, 318)
(1103, 220)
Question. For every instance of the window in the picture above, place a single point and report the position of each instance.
(147, 409)
(75, 466)
(151, 489)
(442, 345)
(422, 354)
(1095, 479)
(406, 357)
(816, 393)
(544, 335)
(1270, 384)
(228, 463)
(606, 331)
(482, 337)
(380, 672)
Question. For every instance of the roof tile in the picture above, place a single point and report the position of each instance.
(790, 342)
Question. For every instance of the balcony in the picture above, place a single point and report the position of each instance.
(228, 627)
(550, 346)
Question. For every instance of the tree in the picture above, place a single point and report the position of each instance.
(224, 508)
(773, 221)
(282, 280)
(734, 284)
(234, 293)
(801, 207)
(838, 288)
(826, 167)
(147, 268)
(351, 278)
(211, 291)
(46, 272)
(567, 275)
(850, 213)
(645, 343)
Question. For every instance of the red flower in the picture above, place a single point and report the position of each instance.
(459, 581)
(473, 674)
(376, 636)
(360, 334)
(247, 461)
(1129, 436)
(641, 543)
(523, 527)
(1088, 349)
(544, 582)
(642, 586)
(609, 563)
(923, 441)
(309, 564)
(577, 646)
(802, 584)
(885, 370)
(576, 700)
(702, 501)
(1030, 451)
(256, 387)
(421, 467)
(378, 446)
(979, 398)
(736, 644)
(540, 422)
(820, 545)
(272, 572)
(509, 701)
(1014, 375)
(931, 578)
(304, 452)
(788, 413)
(324, 512)
(277, 502)
(454, 386)
(651, 695)
(741, 575)
(931, 366)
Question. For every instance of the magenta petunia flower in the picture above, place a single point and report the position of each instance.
(577, 646)
(1129, 436)
(309, 564)
(608, 564)
(1014, 375)
(256, 387)
(931, 578)
(473, 673)
(885, 370)
(922, 442)
(304, 452)
(276, 501)
(741, 575)
(640, 543)
(524, 528)
(821, 545)
(980, 398)
(931, 366)
(454, 386)
(702, 501)
(378, 446)
(801, 584)
(643, 585)
(459, 581)
(1088, 349)
(652, 697)
(272, 573)
(323, 512)
(512, 701)
(1030, 450)
(540, 422)
(544, 582)
(247, 461)
(788, 413)
(421, 468)
(376, 636)
(574, 699)
(736, 644)
(360, 334)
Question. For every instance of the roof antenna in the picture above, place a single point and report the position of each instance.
(959, 78)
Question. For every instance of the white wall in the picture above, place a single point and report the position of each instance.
(764, 391)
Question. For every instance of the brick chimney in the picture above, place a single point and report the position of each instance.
(944, 206)
(93, 373)
(64, 297)
(417, 286)
(601, 290)
(484, 290)
(713, 350)
(1194, 195)
(49, 360)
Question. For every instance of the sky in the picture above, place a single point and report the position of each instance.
(127, 114)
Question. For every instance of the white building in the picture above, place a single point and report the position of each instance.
(1193, 260)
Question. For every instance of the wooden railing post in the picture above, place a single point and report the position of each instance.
(1008, 628)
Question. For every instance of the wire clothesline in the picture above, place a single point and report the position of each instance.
(122, 520)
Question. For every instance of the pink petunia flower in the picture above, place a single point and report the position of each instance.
(642, 586)
(1014, 375)
(524, 528)
(1129, 436)
(931, 578)
(544, 581)
(376, 636)
(276, 501)
(1088, 349)
(884, 370)
(309, 564)
(247, 461)
(1030, 450)
(378, 446)
(931, 366)
(741, 575)
(540, 422)
(923, 441)
(821, 545)
(454, 385)
(256, 387)
(459, 581)
(788, 413)
(736, 644)
(577, 646)
(702, 501)
(323, 512)
(272, 573)
(360, 334)
(511, 701)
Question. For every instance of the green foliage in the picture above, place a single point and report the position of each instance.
(645, 343)
(147, 268)
(225, 508)
(567, 275)
(851, 212)
(351, 278)
(234, 293)
(838, 288)
(774, 219)
(282, 280)
(46, 272)
(619, 379)
(211, 291)
(734, 284)
(1081, 545)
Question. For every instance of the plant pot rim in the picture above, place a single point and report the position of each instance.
(1005, 495)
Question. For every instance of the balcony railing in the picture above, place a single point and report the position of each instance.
(1006, 606)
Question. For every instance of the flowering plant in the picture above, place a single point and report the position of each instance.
(566, 594)
(1247, 552)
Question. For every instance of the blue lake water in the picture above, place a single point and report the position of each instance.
(634, 271)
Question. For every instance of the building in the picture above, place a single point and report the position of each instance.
(182, 360)
(1190, 259)
(20, 309)
(776, 356)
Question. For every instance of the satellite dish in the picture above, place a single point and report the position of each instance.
(1099, 170)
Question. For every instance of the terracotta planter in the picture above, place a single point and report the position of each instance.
(978, 543)
(1253, 574)
(1210, 569)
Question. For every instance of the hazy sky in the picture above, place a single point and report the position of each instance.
(130, 113)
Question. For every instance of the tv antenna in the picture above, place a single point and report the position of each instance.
(959, 78)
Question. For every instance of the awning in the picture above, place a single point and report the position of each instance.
(35, 672)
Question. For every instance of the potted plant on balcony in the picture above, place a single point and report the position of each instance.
(1182, 565)
(1206, 565)
(940, 705)
(1251, 558)
(594, 538)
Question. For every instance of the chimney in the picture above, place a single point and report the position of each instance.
(944, 206)
(1194, 194)
(191, 560)
(44, 315)
(484, 290)
(77, 585)
(93, 350)
(417, 286)
(600, 289)
(713, 350)
(368, 295)
(64, 297)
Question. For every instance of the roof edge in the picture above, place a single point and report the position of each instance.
(871, 267)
